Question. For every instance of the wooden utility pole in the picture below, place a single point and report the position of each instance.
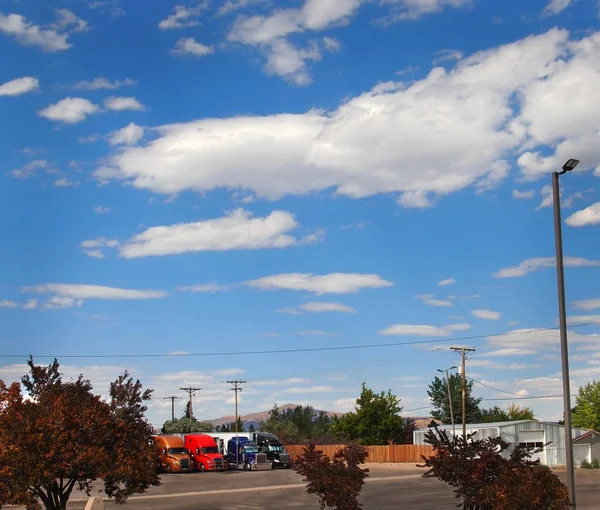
(191, 391)
(172, 399)
(463, 351)
(237, 383)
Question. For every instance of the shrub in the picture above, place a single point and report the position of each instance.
(586, 464)
(337, 482)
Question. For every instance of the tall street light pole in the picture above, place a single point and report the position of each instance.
(449, 397)
(564, 348)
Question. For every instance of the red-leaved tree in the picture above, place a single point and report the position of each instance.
(484, 479)
(338, 481)
(61, 436)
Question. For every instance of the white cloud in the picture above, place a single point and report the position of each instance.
(333, 283)
(112, 7)
(358, 226)
(103, 83)
(123, 103)
(447, 55)
(310, 389)
(589, 304)
(19, 86)
(99, 209)
(99, 242)
(181, 17)
(229, 371)
(486, 314)
(316, 307)
(68, 22)
(64, 182)
(523, 194)
(129, 135)
(588, 216)
(189, 46)
(423, 155)
(64, 295)
(29, 169)
(31, 304)
(84, 140)
(429, 299)
(70, 110)
(414, 9)
(95, 254)
(556, 6)
(510, 351)
(28, 34)
(205, 287)
(332, 44)
(501, 366)
(423, 330)
(534, 264)
(583, 319)
(547, 198)
(535, 339)
(290, 311)
(314, 332)
(8, 304)
(238, 230)
(447, 281)
(234, 5)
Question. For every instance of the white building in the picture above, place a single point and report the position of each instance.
(586, 443)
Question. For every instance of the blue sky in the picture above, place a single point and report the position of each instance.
(201, 177)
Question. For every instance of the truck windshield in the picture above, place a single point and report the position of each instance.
(176, 451)
(249, 449)
(274, 448)
(210, 449)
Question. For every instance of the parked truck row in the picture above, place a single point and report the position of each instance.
(249, 451)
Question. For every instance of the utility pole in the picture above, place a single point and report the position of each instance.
(562, 317)
(449, 398)
(190, 390)
(237, 383)
(172, 399)
(463, 351)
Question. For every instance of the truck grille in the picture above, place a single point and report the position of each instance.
(218, 463)
(284, 458)
(261, 458)
(184, 463)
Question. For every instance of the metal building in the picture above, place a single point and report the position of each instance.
(527, 432)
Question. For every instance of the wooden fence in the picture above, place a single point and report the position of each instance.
(407, 453)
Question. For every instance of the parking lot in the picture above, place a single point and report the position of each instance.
(387, 488)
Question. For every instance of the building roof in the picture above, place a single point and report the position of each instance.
(586, 435)
(492, 424)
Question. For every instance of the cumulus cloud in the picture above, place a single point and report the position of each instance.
(537, 263)
(586, 217)
(205, 287)
(189, 46)
(333, 283)
(238, 230)
(19, 86)
(538, 340)
(447, 281)
(8, 304)
(31, 304)
(66, 295)
(321, 306)
(123, 103)
(99, 209)
(589, 304)
(29, 169)
(429, 299)
(486, 314)
(556, 6)
(423, 330)
(182, 17)
(70, 110)
(103, 83)
(510, 351)
(129, 135)
(375, 142)
(64, 182)
(447, 55)
(523, 194)
(583, 319)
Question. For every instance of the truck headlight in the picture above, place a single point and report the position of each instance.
(275, 460)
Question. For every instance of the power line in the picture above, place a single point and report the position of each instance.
(495, 389)
(293, 351)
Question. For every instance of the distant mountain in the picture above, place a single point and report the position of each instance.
(255, 418)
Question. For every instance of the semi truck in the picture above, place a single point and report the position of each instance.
(173, 454)
(244, 454)
(204, 452)
(272, 446)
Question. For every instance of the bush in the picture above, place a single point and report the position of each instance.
(485, 480)
(586, 464)
(337, 483)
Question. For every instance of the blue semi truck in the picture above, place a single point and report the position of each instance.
(242, 453)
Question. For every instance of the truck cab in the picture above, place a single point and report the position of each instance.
(173, 454)
(244, 454)
(204, 452)
(272, 446)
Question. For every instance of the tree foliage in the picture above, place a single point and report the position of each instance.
(230, 427)
(438, 393)
(514, 413)
(64, 437)
(486, 480)
(336, 482)
(375, 421)
(186, 426)
(296, 425)
(586, 413)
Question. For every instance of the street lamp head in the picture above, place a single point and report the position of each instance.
(570, 165)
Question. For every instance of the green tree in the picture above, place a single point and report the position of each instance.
(188, 413)
(493, 414)
(230, 427)
(586, 413)
(299, 424)
(251, 428)
(438, 393)
(375, 421)
(186, 426)
(516, 412)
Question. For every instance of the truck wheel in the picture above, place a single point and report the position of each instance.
(247, 466)
(169, 468)
(202, 468)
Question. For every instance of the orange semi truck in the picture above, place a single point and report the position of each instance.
(204, 452)
(173, 454)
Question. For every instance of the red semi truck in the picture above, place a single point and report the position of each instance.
(204, 452)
